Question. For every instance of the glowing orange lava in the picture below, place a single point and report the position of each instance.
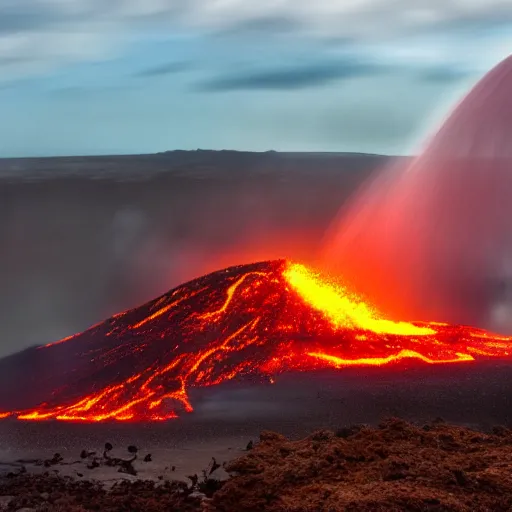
(256, 320)
(343, 308)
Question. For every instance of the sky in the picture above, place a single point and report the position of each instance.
(82, 77)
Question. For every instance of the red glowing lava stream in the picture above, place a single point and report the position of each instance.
(252, 320)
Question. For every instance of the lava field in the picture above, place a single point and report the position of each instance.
(251, 321)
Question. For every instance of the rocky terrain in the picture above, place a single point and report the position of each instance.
(395, 466)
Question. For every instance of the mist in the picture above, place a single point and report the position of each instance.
(84, 238)
(430, 239)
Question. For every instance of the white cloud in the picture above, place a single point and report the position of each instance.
(24, 54)
(47, 33)
(348, 17)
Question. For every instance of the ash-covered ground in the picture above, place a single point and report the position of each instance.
(227, 417)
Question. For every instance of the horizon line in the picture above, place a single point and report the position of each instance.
(199, 150)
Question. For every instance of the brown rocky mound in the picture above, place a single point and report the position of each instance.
(395, 467)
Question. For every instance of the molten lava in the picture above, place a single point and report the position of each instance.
(254, 320)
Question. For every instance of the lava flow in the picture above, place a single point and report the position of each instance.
(249, 321)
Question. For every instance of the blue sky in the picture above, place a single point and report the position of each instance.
(139, 76)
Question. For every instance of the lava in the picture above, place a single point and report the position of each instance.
(343, 308)
(245, 322)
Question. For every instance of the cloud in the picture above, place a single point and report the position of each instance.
(36, 51)
(316, 75)
(299, 77)
(443, 74)
(55, 32)
(367, 18)
(262, 26)
(78, 91)
(164, 69)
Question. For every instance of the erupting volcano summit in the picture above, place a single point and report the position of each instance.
(250, 321)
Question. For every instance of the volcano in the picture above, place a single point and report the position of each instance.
(246, 322)
(431, 239)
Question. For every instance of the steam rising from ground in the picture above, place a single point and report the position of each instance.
(432, 240)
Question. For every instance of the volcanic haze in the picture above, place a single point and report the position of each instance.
(431, 239)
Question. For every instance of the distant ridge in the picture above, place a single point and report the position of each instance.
(195, 162)
(224, 152)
